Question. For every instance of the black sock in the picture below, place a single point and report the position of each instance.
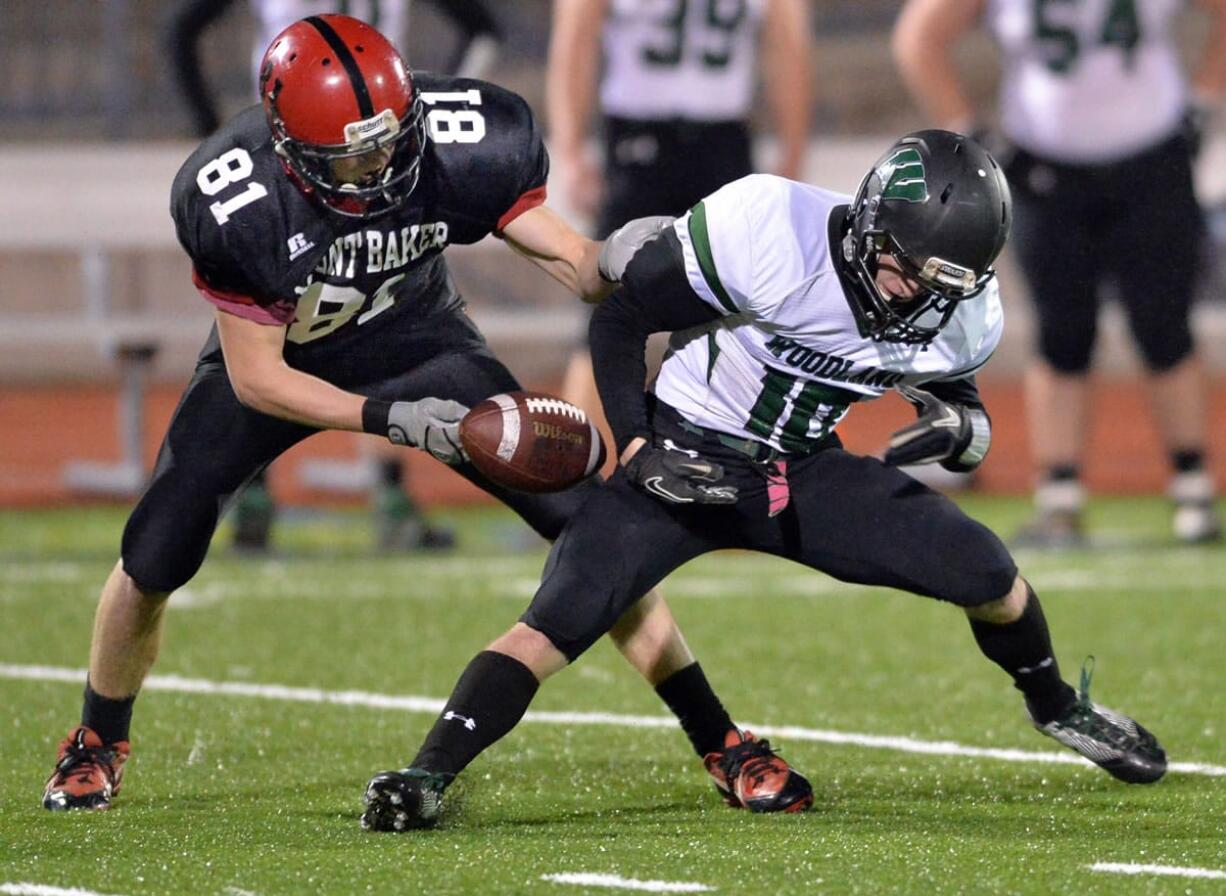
(1063, 473)
(703, 718)
(488, 701)
(109, 718)
(391, 473)
(1188, 461)
(1023, 649)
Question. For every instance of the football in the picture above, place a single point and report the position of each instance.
(532, 442)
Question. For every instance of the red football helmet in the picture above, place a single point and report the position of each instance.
(334, 88)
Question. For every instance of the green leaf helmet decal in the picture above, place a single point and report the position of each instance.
(902, 176)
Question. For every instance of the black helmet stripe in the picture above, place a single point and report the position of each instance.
(365, 107)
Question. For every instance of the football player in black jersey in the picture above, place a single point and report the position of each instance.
(316, 225)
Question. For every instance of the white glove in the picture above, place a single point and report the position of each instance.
(431, 424)
(625, 241)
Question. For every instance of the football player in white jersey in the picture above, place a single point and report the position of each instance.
(787, 304)
(1097, 114)
(674, 82)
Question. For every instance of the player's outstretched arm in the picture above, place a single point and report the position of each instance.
(263, 382)
(545, 239)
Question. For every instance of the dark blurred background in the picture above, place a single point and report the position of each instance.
(98, 68)
(92, 131)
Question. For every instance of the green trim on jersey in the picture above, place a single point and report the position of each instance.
(712, 355)
(706, 261)
(767, 410)
(794, 436)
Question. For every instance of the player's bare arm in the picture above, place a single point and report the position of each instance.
(1209, 79)
(265, 383)
(570, 95)
(924, 39)
(545, 239)
(787, 56)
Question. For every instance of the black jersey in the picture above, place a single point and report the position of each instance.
(263, 250)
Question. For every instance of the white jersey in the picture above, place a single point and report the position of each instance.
(676, 59)
(1088, 81)
(788, 359)
(391, 17)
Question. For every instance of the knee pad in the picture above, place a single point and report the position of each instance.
(1163, 347)
(583, 593)
(1067, 345)
(572, 612)
(163, 547)
(989, 572)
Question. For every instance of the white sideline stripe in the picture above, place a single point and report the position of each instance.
(434, 705)
(25, 889)
(589, 879)
(1161, 870)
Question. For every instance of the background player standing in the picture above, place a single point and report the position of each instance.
(1097, 114)
(316, 226)
(675, 86)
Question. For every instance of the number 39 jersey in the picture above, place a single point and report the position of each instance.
(786, 360)
(262, 250)
(690, 59)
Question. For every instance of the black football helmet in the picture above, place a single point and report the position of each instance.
(938, 203)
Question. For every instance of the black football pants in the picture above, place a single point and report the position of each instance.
(1135, 223)
(848, 516)
(214, 445)
(665, 167)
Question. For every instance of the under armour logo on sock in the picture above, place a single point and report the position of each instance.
(1026, 670)
(469, 723)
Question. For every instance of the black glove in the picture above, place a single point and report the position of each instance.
(677, 476)
(955, 436)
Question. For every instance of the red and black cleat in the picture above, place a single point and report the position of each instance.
(87, 772)
(748, 775)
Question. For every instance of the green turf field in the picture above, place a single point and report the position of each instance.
(236, 788)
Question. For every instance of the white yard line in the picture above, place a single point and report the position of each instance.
(720, 578)
(617, 882)
(1160, 870)
(25, 889)
(434, 705)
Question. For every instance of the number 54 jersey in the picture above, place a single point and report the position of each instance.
(787, 359)
(355, 291)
